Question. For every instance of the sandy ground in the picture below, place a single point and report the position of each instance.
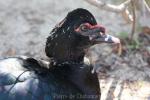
(25, 25)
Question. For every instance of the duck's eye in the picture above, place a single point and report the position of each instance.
(83, 28)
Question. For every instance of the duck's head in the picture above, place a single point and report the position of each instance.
(75, 33)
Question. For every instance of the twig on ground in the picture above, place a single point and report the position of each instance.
(134, 20)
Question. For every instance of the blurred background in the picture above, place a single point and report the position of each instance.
(25, 25)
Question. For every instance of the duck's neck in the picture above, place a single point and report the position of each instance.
(75, 56)
(81, 77)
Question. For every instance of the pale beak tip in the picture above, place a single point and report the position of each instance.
(116, 40)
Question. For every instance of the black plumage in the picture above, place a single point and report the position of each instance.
(64, 44)
(65, 76)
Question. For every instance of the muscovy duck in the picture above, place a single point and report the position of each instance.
(65, 76)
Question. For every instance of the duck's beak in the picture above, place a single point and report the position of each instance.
(106, 39)
(100, 36)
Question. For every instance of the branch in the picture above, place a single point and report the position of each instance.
(134, 20)
(146, 5)
(122, 8)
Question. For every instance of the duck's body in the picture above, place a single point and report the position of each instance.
(24, 79)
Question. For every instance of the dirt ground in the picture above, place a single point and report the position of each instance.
(25, 25)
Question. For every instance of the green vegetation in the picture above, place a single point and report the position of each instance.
(131, 45)
(123, 35)
(135, 44)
